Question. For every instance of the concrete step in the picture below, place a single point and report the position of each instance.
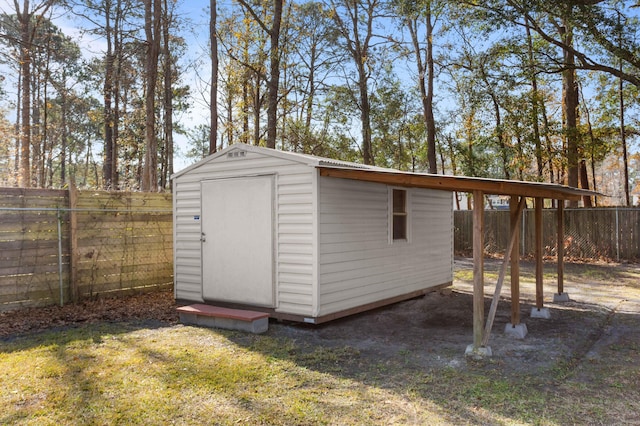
(229, 319)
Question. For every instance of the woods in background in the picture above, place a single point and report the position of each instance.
(506, 89)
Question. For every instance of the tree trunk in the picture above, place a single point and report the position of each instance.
(534, 105)
(274, 74)
(430, 120)
(229, 129)
(311, 79)
(365, 115)
(584, 183)
(257, 105)
(44, 83)
(245, 110)
(499, 132)
(547, 138)
(24, 18)
(63, 144)
(107, 167)
(118, 56)
(18, 127)
(213, 96)
(425, 83)
(623, 139)
(570, 105)
(592, 144)
(469, 134)
(152, 15)
(37, 85)
(167, 98)
(519, 144)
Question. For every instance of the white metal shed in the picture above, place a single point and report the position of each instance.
(261, 228)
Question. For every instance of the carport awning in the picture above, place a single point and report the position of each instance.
(458, 183)
(518, 190)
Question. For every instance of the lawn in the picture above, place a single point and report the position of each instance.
(581, 368)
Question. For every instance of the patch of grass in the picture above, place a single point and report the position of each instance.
(463, 275)
(467, 275)
(121, 374)
(183, 375)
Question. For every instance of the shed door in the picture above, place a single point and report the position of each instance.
(237, 252)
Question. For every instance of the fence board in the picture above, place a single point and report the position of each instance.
(30, 283)
(16, 261)
(128, 288)
(36, 269)
(108, 276)
(124, 200)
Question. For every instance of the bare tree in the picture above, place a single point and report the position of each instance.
(273, 80)
(355, 19)
(416, 14)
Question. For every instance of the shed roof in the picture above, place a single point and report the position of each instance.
(460, 183)
(348, 170)
(310, 160)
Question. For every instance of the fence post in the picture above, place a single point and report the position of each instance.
(523, 252)
(59, 220)
(73, 241)
(617, 234)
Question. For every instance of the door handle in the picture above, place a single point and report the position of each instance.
(203, 237)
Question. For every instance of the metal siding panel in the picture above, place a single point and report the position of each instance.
(357, 263)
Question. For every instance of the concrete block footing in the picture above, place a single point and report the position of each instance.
(517, 331)
(540, 313)
(560, 297)
(478, 353)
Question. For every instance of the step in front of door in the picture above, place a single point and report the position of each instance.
(226, 318)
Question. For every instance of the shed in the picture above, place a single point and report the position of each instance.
(273, 231)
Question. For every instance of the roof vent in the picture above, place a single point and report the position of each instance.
(236, 154)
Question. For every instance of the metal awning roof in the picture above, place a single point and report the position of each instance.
(458, 183)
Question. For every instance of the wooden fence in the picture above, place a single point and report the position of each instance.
(600, 233)
(58, 245)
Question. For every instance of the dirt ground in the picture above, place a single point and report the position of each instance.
(432, 331)
(156, 307)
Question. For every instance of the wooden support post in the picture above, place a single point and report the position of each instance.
(560, 250)
(73, 242)
(478, 268)
(503, 270)
(539, 265)
(515, 220)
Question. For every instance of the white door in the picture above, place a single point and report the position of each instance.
(237, 247)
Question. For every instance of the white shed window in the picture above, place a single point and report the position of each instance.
(399, 216)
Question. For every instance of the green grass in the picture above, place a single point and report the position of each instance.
(123, 374)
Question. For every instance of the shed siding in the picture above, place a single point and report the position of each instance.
(294, 227)
(357, 263)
